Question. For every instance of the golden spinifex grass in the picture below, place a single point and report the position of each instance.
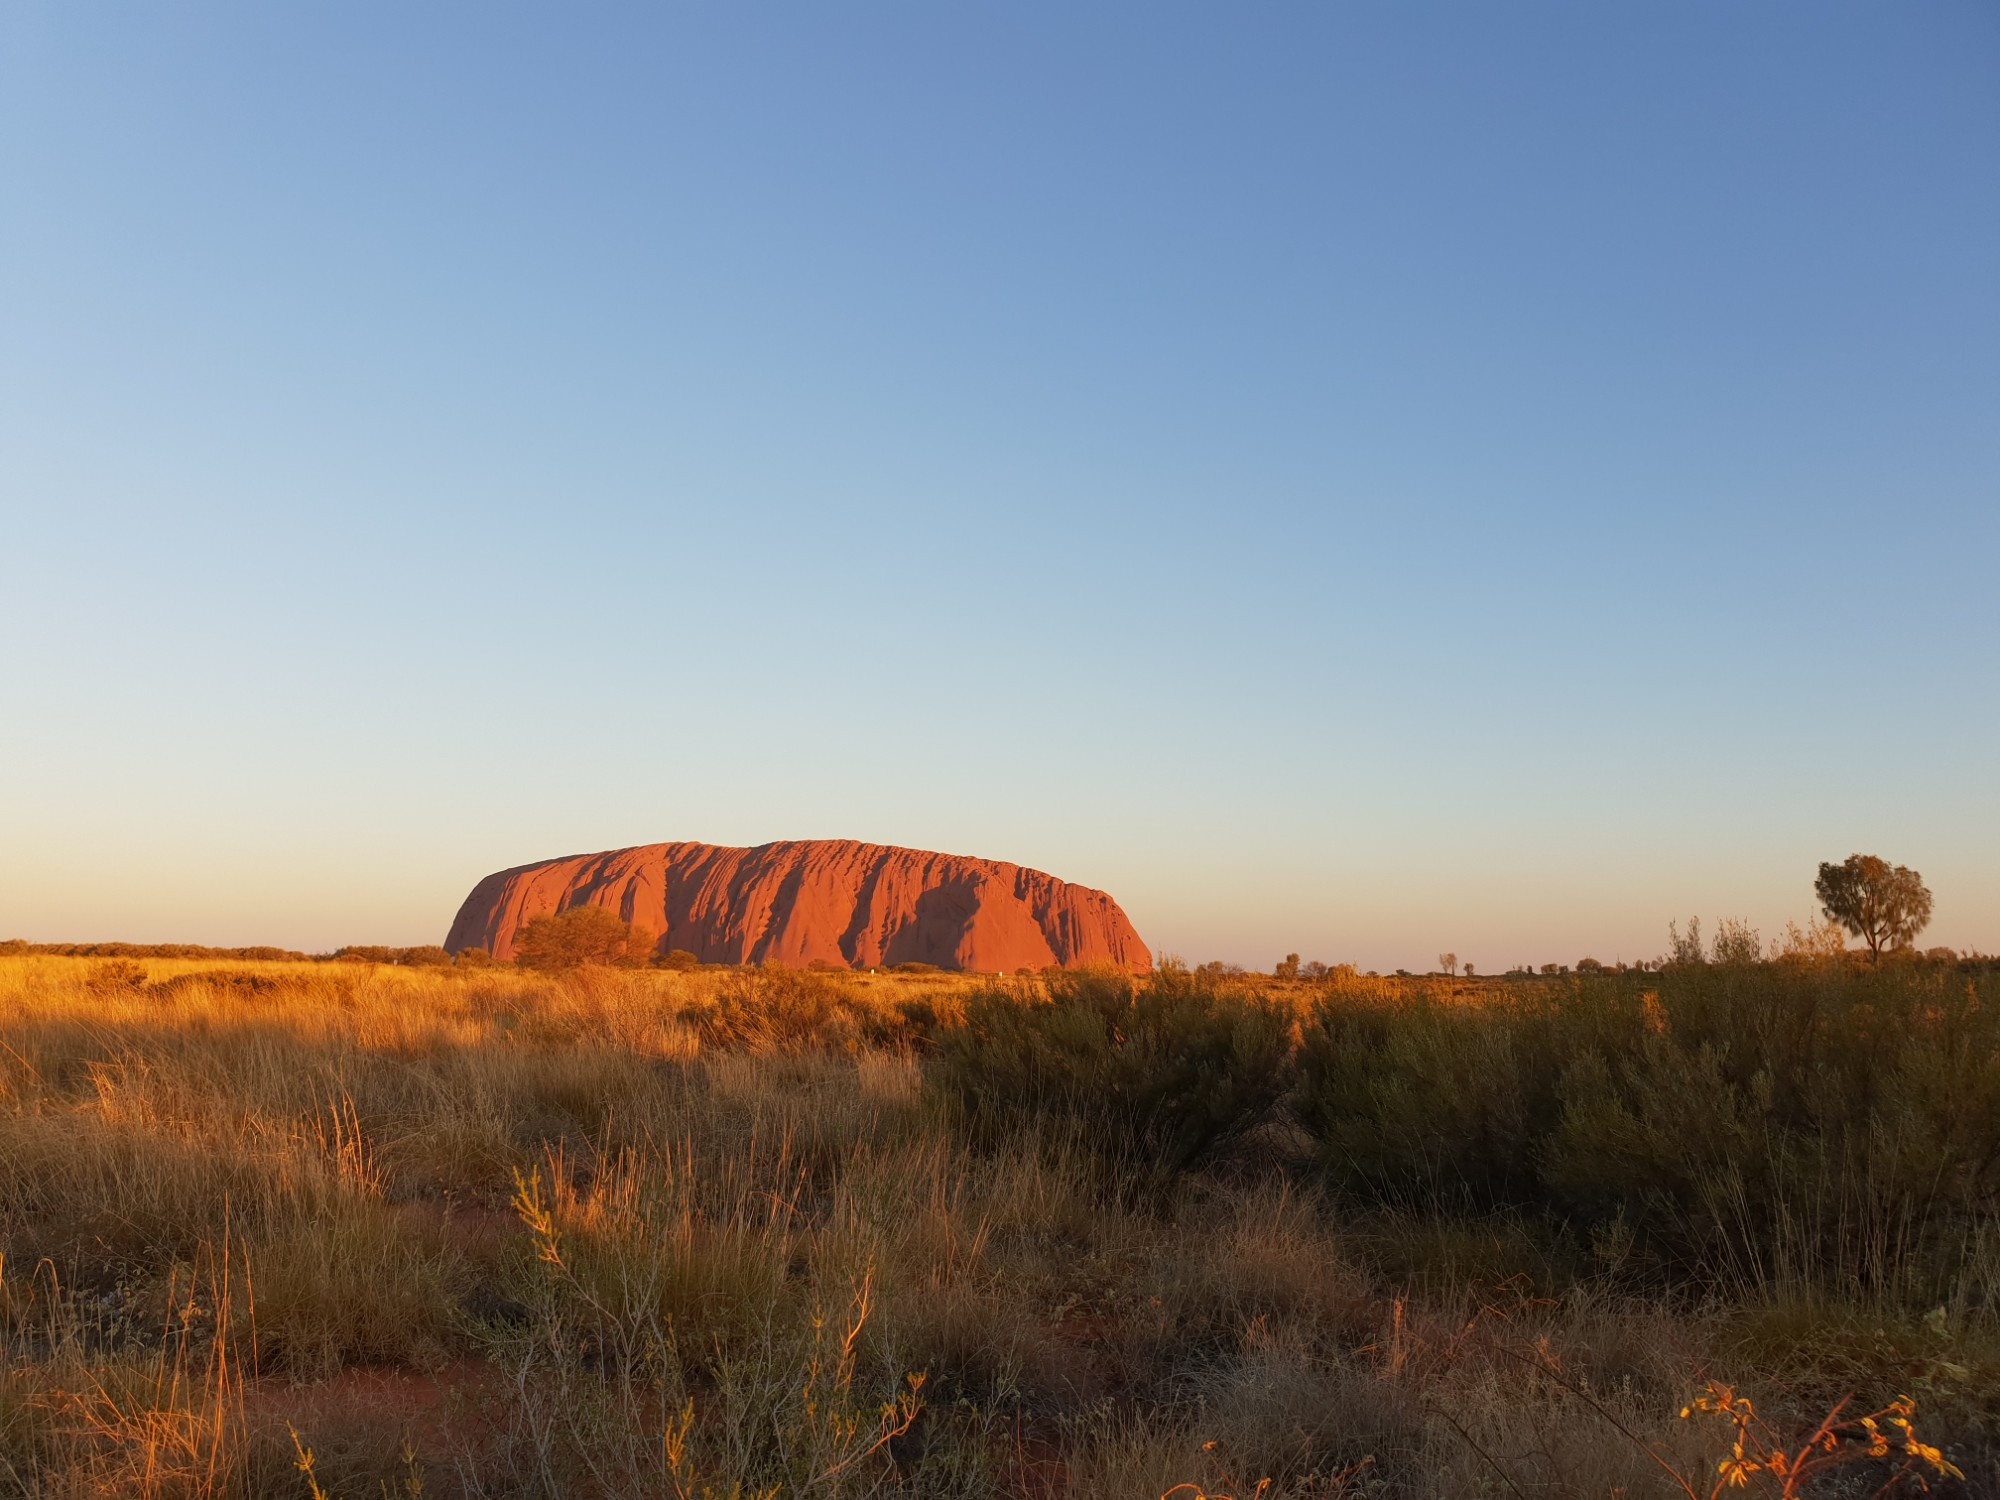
(483, 1232)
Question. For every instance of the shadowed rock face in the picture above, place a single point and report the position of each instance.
(863, 905)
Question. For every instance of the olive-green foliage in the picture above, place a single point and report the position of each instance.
(1153, 1071)
(1884, 905)
(1822, 1126)
(1424, 1103)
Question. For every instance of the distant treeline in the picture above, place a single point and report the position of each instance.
(424, 956)
(18, 947)
(429, 955)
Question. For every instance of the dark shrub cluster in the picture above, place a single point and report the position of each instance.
(1154, 1071)
(1806, 1125)
(429, 956)
(1811, 1128)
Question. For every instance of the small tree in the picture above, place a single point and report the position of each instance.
(1448, 962)
(581, 935)
(1685, 947)
(1288, 967)
(1736, 942)
(1818, 939)
(1884, 905)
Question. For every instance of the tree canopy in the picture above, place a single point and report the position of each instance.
(1884, 905)
(582, 935)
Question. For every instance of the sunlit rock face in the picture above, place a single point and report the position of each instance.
(834, 900)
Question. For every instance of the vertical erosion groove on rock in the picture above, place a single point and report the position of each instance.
(828, 900)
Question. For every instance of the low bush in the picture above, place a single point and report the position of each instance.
(773, 1009)
(1153, 1072)
(117, 974)
(1781, 1126)
(425, 956)
(1425, 1104)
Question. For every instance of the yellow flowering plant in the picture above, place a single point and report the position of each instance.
(1758, 1460)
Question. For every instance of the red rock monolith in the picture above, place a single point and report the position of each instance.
(857, 905)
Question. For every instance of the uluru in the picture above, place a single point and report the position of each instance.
(826, 900)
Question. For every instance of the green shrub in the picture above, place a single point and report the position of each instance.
(1153, 1073)
(1782, 1126)
(1423, 1104)
(1828, 1128)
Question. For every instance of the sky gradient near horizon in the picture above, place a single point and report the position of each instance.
(1362, 479)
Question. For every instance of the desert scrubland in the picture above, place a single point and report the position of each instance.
(355, 1229)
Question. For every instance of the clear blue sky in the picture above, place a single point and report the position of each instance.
(1361, 479)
